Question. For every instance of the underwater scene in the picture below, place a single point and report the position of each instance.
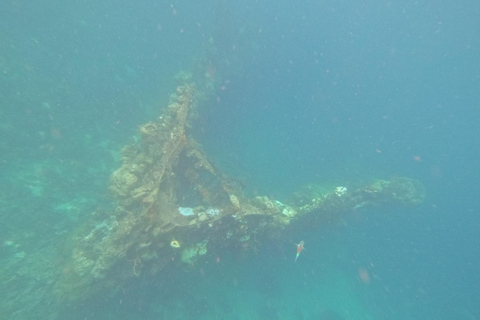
(217, 159)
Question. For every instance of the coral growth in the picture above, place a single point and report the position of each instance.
(194, 252)
(166, 188)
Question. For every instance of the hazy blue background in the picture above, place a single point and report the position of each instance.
(312, 91)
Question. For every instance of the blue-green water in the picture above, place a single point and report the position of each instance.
(309, 92)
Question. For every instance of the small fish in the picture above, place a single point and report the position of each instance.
(299, 249)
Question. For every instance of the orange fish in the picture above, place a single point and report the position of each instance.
(299, 249)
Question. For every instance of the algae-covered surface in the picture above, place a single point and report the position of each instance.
(221, 160)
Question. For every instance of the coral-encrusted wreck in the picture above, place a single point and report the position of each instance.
(173, 205)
